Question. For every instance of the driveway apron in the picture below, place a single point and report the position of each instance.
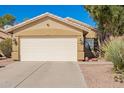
(42, 75)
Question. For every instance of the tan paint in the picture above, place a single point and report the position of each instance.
(47, 32)
(47, 28)
(91, 34)
(80, 56)
(15, 56)
(43, 24)
(44, 17)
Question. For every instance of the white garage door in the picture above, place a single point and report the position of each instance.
(48, 49)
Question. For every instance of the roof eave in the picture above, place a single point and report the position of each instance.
(81, 23)
(10, 30)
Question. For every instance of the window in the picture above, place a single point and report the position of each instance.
(89, 44)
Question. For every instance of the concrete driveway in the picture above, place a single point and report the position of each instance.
(42, 75)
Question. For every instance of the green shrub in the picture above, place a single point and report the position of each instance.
(114, 51)
(6, 47)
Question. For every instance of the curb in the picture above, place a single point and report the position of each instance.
(95, 63)
(82, 76)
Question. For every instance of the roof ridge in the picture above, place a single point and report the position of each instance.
(34, 18)
(47, 13)
(42, 16)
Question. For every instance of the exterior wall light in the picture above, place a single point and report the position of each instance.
(48, 25)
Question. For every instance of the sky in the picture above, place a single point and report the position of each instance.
(22, 12)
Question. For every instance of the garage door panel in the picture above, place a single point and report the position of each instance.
(48, 49)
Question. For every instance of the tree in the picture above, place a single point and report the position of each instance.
(109, 19)
(1, 22)
(7, 19)
(6, 47)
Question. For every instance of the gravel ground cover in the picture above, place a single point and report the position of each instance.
(99, 75)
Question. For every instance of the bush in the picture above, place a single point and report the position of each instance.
(6, 47)
(114, 51)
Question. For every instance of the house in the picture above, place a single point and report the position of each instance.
(50, 38)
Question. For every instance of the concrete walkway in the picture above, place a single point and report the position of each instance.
(42, 75)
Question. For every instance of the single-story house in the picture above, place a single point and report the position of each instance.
(50, 38)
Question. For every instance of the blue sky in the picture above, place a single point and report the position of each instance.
(29, 11)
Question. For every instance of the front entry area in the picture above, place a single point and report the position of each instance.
(48, 49)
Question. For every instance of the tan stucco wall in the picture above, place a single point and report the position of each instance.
(91, 34)
(41, 29)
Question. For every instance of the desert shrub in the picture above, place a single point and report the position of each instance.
(6, 47)
(114, 51)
